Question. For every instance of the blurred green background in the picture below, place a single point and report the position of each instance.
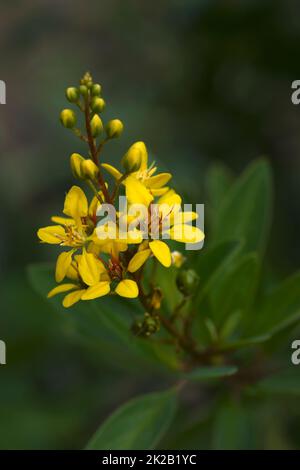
(198, 81)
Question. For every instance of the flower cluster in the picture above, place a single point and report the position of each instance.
(99, 255)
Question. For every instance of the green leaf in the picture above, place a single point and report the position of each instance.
(235, 290)
(215, 262)
(245, 212)
(213, 372)
(105, 321)
(279, 309)
(218, 182)
(286, 383)
(139, 424)
(245, 342)
(233, 429)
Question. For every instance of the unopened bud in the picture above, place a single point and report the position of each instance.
(147, 327)
(83, 90)
(177, 259)
(114, 128)
(156, 298)
(96, 125)
(68, 118)
(75, 162)
(98, 104)
(132, 159)
(72, 94)
(96, 89)
(187, 282)
(89, 169)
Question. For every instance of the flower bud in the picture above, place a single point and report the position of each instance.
(68, 118)
(132, 159)
(72, 94)
(75, 162)
(187, 282)
(96, 125)
(83, 90)
(89, 169)
(147, 327)
(114, 128)
(156, 298)
(98, 104)
(177, 259)
(96, 89)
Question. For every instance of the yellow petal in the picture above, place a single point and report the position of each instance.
(90, 268)
(138, 260)
(127, 288)
(72, 298)
(63, 220)
(179, 217)
(160, 191)
(186, 234)
(171, 198)
(72, 272)
(63, 263)
(54, 234)
(98, 290)
(61, 288)
(95, 205)
(144, 154)
(156, 182)
(112, 170)
(136, 192)
(162, 252)
(132, 237)
(76, 204)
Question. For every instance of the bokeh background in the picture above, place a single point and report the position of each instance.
(199, 81)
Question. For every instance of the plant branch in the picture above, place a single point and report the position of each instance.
(93, 149)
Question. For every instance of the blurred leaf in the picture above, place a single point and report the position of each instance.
(215, 262)
(246, 210)
(286, 383)
(233, 429)
(139, 424)
(218, 182)
(214, 255)
(235, 290)
(213, 372)
(243, 343)
(105, 321)
(279, 309)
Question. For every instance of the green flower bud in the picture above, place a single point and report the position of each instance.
(86, 79)
(132, 159)
(72, 94)
(187, 282)
(147, 327)
(98, 104)
(68, 118)
(96, 125)
(96, 89)
(83, 90)
(89, 169)
(114, 128)
(75, 162)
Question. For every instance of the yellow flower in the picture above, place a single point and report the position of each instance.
(73, 230)
(167, 221)
(91, 279)
(152, 184)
